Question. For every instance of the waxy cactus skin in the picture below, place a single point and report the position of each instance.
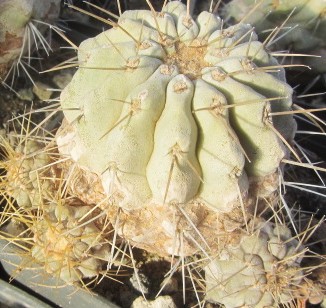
(299, 26)
(22, 24)
(173, 113)
(174, 134)
(261, 269)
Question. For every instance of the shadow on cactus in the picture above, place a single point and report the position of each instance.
(175, 137)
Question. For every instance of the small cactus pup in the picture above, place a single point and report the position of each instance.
(22, 24)
(260, 269)
(65, 247)
(25, 164)
(298, 26)
(70, 239)
(172, 118)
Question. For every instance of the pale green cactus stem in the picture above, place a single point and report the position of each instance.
(67, 237)
(259, 270)
(174, 135)
(167, 110)
(177, 122)
(28, 175)
(67, 250)
(217, 156)
(303, 24)
(18, 34)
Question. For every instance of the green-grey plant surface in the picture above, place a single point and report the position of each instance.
(176, 136)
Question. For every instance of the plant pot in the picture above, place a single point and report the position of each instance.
(32, 287)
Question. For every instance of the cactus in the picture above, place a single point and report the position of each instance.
(261, 268)
(63, 241)
(174, 138)
(158, 129)
(23, 166)
(22, 23)
(303, 23)
(67, 250)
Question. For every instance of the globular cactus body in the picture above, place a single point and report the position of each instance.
(259, 270)
(302, 23)
(68, 251)
(27, 163)
(18, 33)
(62, 242)
(171, 112)
(174, 135)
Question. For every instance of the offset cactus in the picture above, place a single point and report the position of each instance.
(305, 24)
(67, 250)
(174, 135)
(25, 164)
(69, 238)
(18, 33)
(256, 270)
